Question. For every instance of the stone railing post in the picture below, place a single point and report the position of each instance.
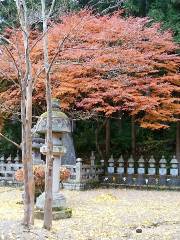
(174, 166)
(2, 160)
(1, 164)
(162, 166)
(102, 162)
(78, 169)
(111, 164)
(16, 159)
(120, 168)
(141, 166)
(151, 166)
(130, 169)
(92, 158)
(8, 168)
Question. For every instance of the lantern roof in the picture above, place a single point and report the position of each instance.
(60, 121)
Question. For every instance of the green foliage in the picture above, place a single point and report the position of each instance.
(169, 14)
(148, 142)
(84, 138)
(165, 11)
(103, 6)
(8, 12)
(12, 130)
(156, 143)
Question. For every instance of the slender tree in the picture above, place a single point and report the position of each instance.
(49, 157)
(26, 117)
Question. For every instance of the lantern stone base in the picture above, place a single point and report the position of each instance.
(61, 213)
(59, 201)
(59, 209)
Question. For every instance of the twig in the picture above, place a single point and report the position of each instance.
(9, 140)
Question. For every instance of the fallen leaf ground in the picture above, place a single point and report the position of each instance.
(101, 214)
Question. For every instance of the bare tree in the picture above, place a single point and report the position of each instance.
(49, 157)
(26, 117)
(24, 77)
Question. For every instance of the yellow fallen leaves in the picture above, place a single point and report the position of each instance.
(105, 198)
(106, 214)
(9, 209)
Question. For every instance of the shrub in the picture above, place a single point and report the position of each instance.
(39, 177)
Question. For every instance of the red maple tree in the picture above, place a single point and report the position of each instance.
(102, 65)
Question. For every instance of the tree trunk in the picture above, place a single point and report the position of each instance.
(26, 117)
(29, 150)
(108, 138)
(49, 158)
(120, 122)
(26, 220)
(133, 136)
(178, 143)
(97, 141)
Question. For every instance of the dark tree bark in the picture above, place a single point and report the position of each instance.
(98, 129)
(133, 136)
(178, 143)
(108, 138)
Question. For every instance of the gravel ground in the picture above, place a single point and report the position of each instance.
(103, 214)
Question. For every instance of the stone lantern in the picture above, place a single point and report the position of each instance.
(60, 125)
(37, 143)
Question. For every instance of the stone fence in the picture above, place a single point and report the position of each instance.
(142, 166)
(83, 175)
(80, 174)
(149, 172)
(8, 169)
(124, 172)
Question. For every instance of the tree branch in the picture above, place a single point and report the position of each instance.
(9, 140)
(51, 9)
(61, 43)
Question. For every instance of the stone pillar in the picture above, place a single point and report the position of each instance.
(92, 158)
(102, 162)
(78, 170)
(2, 159)
(111, 164)
(162, 166)
(16, 165)
(141, 166)
(2, 163)
(152, 166)
(130, 169)
(16, 159)
(69, 158)
(8, 168)
(120, 168)
(174, 167)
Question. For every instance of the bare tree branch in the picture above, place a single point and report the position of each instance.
(9, 140)
(61, 43)
(51, 9)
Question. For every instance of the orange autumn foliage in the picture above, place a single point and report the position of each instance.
(39, 176)
(107, 64)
